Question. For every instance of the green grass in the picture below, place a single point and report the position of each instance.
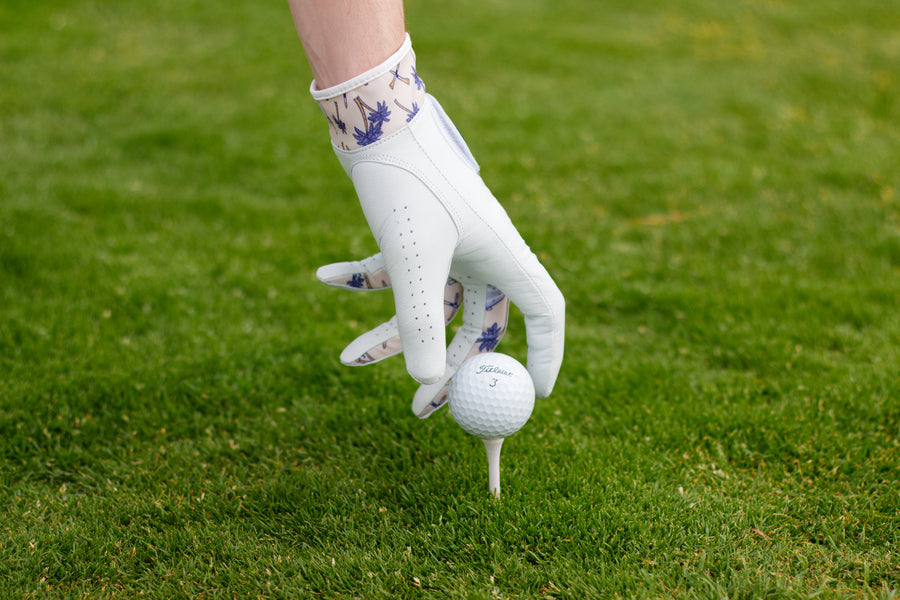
(714, 186)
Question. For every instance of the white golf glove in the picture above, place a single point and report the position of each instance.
(434, 219)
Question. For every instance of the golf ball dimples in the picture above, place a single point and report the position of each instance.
(491, 395)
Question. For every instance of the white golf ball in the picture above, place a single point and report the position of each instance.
(491, 395)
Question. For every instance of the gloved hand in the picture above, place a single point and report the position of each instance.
(433, 219)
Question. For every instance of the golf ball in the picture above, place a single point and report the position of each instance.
(491, 395)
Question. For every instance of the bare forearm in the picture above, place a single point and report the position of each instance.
(343, 38)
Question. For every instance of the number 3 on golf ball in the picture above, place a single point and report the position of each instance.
(491, 395)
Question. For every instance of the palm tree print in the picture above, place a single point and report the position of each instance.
(357, 280)
(420, 85)
(410, 112)
(397, 88)
(490, 337)
(380, 115)
(374, 118)
(336, 119)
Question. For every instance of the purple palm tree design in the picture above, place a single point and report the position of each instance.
(410, 112)
(420, 85)
(357, 280)
(335, 119)
(490, 337)
(373, 122)
(413, 112)
(380, 115)
(365, 359)
(370, 136)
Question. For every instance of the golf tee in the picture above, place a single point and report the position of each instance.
(493, 455)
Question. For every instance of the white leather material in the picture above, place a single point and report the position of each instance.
(432, 215)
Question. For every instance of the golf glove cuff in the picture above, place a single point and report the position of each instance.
(374, 104)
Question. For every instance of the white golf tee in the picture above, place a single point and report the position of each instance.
(493, 454)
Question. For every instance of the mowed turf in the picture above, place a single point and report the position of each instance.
(713, 185)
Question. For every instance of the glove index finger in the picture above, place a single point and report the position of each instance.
(358, 275)
(421, 311)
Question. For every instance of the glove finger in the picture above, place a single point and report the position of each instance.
(544, 309)
(484, 322)
(417, 238)
(358, 275)
(373, 346)
(419, 300)
(384, 341)
(501, 256)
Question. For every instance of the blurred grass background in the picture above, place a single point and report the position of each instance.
(713, 185)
